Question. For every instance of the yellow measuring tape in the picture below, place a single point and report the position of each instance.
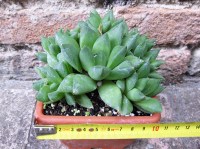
(118, 131)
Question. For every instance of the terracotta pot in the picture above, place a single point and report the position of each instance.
(42, 119)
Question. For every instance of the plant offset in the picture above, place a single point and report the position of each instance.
(100, 54)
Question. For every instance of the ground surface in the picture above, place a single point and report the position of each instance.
(181, 103)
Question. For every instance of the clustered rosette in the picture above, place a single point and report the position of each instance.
(100, 54)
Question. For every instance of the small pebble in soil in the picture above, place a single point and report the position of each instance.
(63, 109)
(100, 108)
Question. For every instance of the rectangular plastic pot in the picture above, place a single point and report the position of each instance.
(42, 119)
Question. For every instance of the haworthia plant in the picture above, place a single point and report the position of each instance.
(100, 54)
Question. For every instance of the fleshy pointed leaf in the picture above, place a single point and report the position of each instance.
(125, 27)
(39, 84)
(141, 83)
(149, 105)
(52, 60)
(126, 107)
(63, 38)
(52, 75)
(140, 39)
(121, 85)
(150, 43)
(155, 64)
(101, 50)
(115, 35)
(116, 22)
(94, 19)
(86, 58)
(61, 58)
(151, 86)
(97, 30)
(54, 86)
(75, 34)
(42, 56)
(158, 90)
(105, 26)
(55, 96)
(134, 31)
(152, 55)
(45, 44)
(156, 75)
(98, 72)
(42, 95)
(144, 70)
(87, 37)
(77, 84)
(82, 84)
(111, 95)
(124, 24)
(129, 41)
(66, 86)
(52, 40)
(131, 82)
(84, 101)
(108, 16)
(135, 95)
(41, 71)
(71, 55)
(54, 49)
(129, 53)
(70, 99)
(140, 50)
(123, 70)
(135, 61)
(117, 56)
(62, 69)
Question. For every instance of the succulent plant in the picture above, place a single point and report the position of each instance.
(100, 54)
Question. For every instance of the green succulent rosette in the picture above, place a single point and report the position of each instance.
(100, 54)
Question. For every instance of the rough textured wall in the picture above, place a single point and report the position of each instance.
(173, 23)
(104, 3)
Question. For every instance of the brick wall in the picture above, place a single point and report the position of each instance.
(174, 24)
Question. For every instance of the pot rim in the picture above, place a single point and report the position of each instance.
(42, 119)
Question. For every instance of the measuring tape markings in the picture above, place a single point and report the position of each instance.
(124, 131)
